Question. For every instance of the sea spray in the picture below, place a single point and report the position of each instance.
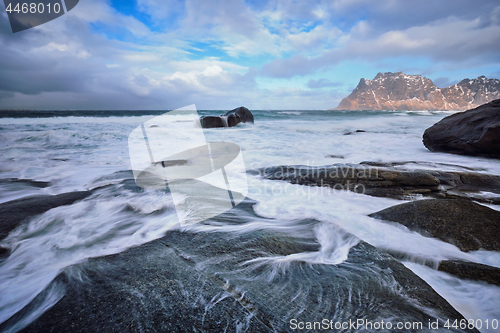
(224, 120)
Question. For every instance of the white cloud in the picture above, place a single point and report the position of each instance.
(60, 50)
(100, 11)
(202, 64)
(398, 39)
(51, 47)
(83, 54)
(196, 78)
(313, 40)
(444, 41)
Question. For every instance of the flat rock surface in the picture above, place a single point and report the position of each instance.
(385, 180)
(468, 225)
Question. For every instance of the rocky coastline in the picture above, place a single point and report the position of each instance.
(450, 212)
(190, 280)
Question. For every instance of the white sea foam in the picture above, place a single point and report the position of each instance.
(349, 210)
(477, 301)
(295, 113)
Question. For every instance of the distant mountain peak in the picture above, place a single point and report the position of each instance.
(400, 91)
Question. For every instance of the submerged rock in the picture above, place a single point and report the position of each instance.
(204, 279)
(357, 131)
(473, 132)
(466, 224)
(229, 119)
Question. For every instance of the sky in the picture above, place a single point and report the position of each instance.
(218, 55)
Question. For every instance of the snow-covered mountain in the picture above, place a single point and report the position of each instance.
(399, 91)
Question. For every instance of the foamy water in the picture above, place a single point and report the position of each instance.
(77, 153)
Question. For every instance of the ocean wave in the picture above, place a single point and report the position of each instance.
(295, 113)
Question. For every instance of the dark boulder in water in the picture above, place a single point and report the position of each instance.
(239, 115)
(473, 132)
(211, 122)
(229, 119)
(207, 278)
(463, 223)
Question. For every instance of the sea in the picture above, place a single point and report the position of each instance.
(83, 150)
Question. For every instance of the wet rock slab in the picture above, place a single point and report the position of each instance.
(385, 180)
(471, 271)
(466, 224)
(202, 280)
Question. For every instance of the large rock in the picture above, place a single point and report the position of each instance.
(211, 122)
(229, 119)
(239, 115)
(473, 132)
(206, 280)
(384, 180)
(468, 225)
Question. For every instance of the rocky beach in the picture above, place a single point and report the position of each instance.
(340, 246)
